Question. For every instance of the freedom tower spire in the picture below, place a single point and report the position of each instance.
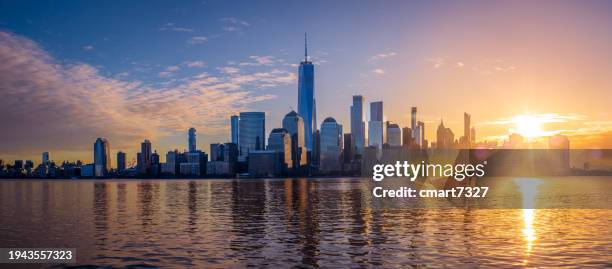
(306, 100)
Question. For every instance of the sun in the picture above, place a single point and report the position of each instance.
(528, 126)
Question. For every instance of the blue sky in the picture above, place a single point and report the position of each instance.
(424, 53)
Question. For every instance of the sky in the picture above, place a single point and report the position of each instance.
(73, 71)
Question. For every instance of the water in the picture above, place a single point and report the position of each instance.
(286, 223)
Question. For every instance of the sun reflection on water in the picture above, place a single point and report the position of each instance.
(528, 188)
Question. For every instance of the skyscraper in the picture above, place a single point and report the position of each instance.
(102, 160)
(294, 124)
(413, 118)
(144, 160)
(45, 157)
(192, 140)
(252, 126)
(466, 128)
(331, 145)
(358, 124)
(445, 138)
(234, 122)
(306, 101)
(407, 139)
(394, 135)
(376, 128)
(120, 161)
(280, 142)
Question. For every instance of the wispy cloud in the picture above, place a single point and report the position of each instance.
(88, 47)
(378, 71)
(382, 56)
(172, 27)
(52, 105)
(260, 60)
(197, 40)
(231, 24)
(168, 71)
(194, 64)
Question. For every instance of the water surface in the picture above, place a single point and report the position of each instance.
(286, 223)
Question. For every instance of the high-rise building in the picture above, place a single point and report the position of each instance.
(102, 160)
(444, 137)
(234, 124)
(120, 161)
(466, 127)
(306, 100)
(45, 158)
(252, 126)
(331, 145)
(171, 165)
(376, 128)
(294, 124)
(473, 135)
(421, 129)
(407, 139)
(394, 135)
(348, 153)
(280, 142)
(216, 152)
(192, 140)
(413, 118)
(358, 124)
(144, 159)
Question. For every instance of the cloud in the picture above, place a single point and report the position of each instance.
(168, 71)
(228, 70)
(88, 47)
(172, 27)
(382, 56)
(378, 71)
(260, 60)
(197, 40)
(194, 64)
(52, 105)
(436, 62)
(459, 65)
(231, 24)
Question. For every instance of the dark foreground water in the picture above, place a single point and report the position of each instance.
(286, 223)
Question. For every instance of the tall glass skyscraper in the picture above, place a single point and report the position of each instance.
(331, 145)
(102, 160)
(376, 129)
(192, 140)
(252, 126)
(306, 101)
(357, 124)
(294, 124)
(234, 123)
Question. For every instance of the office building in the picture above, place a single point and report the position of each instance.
(348, 150)
(407, 139)
(306, 98)
(144, 158)
(376, 126)
(45, 157)
(280, 141)
(102, 160)
(216, 152)
(394, 135)
(358, 124)
(120, 161)
(444, 137)
(294, 124)
(252, 126)
(264, 163)
(192, 140)
(234, 126)
(331, 145)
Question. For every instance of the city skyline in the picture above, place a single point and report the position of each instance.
(184, 89)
